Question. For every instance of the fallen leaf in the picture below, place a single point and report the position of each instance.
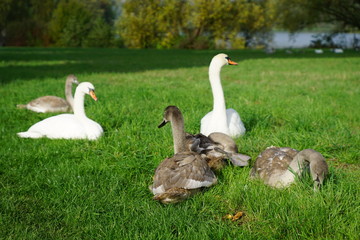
(237, 216)
(228, 216)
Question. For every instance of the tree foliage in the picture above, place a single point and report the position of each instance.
(81, 23)
(164, 23)
(60, 22)
(294, 15)
(191, 23)
(22, 22)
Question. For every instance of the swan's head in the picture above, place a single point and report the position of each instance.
(318, 170)
(72, 78)
(87, 88)
(222, 59)
(170, 113)
(318, 166)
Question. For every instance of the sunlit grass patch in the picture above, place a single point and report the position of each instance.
(33, 63)
(54, 189)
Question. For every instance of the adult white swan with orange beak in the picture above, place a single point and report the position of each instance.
(69, 126)
(221, 119)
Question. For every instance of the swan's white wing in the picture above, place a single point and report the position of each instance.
(214, 123)
(61, 126)
(93, 129)
(236, 126)
(205, 124)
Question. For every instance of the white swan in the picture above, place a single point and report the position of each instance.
(52, 103)
(69, 126)
(279, 166)
(186, 172)
(221, 119)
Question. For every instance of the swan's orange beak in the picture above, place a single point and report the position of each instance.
(92, 94)
(231, 62)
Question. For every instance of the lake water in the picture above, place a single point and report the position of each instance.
(303, 39)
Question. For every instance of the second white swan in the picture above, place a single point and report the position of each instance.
(221, 119)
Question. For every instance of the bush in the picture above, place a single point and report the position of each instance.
(76, 24)
(101, 35)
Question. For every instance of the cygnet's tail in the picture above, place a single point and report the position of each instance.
(21, 106)
(29, 135)
(237, 159)
(240, 160)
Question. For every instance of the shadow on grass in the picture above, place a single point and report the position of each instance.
(30, 63)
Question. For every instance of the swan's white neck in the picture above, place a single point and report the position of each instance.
(79, 110)
(68, 92)
(177, 126)
(219, 108)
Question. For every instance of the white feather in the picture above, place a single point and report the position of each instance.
(193, 184)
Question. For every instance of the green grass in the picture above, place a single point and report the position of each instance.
(62, 189)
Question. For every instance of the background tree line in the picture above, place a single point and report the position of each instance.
(165, 23)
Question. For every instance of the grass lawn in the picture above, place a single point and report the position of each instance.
(76, 189)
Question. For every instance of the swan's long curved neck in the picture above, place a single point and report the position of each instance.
(317, 163)
(177, 126)
(219, 107)
(68, 92)
(79, 109)
(305, 158)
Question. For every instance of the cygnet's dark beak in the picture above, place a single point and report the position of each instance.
(162, 123)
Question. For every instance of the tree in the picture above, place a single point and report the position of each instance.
(5, 7)
(138, 23)
(81, 23)
(70, 24)
(294, 15)
(25, 22)
(190, 23)
(63, 22)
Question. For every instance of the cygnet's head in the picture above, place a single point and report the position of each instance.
(222, 59)
(318, 170)
(170, 113)
(72, 78)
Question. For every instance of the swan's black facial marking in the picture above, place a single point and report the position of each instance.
(230, 62)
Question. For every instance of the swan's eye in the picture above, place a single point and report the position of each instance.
(227, 58)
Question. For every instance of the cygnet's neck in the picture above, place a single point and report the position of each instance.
(177, 126)
(79, 109)
(219, 108)
(305, 158)
(68, 92)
